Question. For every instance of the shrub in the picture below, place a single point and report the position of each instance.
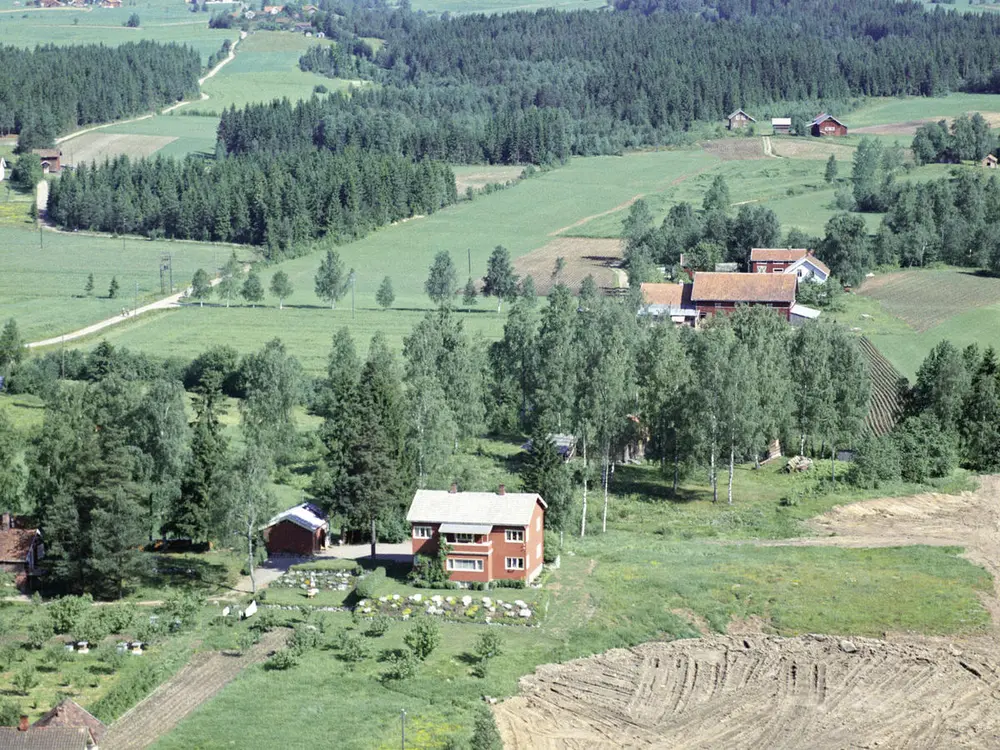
(246, 640)
(876, 461)
(54, 657)
(264, 621)
(401, 664)
(119, 618)
(489, 644)
(509, 583)
(39, 632)
(423, 638)
(352, 649)
(25, 679)
(10, 713)
(378, 627)
(552, 547)
(68, 612)
(283, 659)
(303, 638)
(485, 735)
(112, 659)
(367, 585)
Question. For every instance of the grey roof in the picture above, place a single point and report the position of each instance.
(306, 515)
(740, 111)
(44, 738)
(69, 713)
(441, 506)
(465, 528)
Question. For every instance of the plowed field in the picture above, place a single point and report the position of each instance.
(584, 257)
(927, 298)
(885, 404)
(96, 147)
(759, 692)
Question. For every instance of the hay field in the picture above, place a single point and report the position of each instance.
(927, 298)
(478, 176)
(98, 146)
(584, 257)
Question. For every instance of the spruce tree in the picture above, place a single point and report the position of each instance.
(546, 473)
(88, 288)
(830, 174)
(113, 288)
(469, 294)
(385, 296)
(12, 479)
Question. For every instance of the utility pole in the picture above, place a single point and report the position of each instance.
(352, 295)
(41, 244)
(470, 262)
(135, 305)
(402, 726)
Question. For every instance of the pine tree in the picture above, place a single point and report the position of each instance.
(281, 287)
(385, 296)
(253, 289)
(113, 288)
(830, 175)
(88, 288)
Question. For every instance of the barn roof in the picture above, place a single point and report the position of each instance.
(781, 121)
(15, 544)
(777, 254)
(69, 713)
(442, 506)
(743, 287)
(673, 295)
(48, 153)
(306, 515)
(824, 117)
(44, 738)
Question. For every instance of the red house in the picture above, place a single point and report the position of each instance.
(301, 530)
(69, 714)
(20, 551)
(828, 125)
(712, 293)
(492, 535)
(51, 159)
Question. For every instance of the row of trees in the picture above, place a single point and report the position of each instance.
(47, 90)
(536, 86)
(275, 201)
(968, 139)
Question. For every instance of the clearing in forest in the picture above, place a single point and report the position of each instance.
(926, 298)
(96, 147)
(584, 257)
(480, 175)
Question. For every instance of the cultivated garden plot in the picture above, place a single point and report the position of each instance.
(756, 692)
(584, 257)
(885, 404)
(926, 298)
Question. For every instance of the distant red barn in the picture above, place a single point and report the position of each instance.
(51, 159)
(301, 530)
(828, 125)
(21, 550)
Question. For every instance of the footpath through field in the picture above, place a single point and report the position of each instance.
(197, 682)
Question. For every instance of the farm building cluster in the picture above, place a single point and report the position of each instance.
(773, 280)
(822, 124)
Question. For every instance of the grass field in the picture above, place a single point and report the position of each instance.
(192, 135)
(162, 21)
(903, 110)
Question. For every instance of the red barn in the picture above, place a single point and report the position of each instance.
(51, 159)
(712, 293)
(492, 534)
(20, 551)
(828, 125)
(301, 530)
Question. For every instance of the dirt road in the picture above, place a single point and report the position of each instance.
(197, 682)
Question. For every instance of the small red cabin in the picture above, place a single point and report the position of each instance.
(51, 159)
(828, 125)
(301, 530)
(492, 534)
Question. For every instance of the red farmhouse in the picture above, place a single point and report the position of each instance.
(300, 530)
(712, 293)
(828, 125)
(492, 535)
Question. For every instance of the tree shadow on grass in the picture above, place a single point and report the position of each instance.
(189, 573)
(647, 485)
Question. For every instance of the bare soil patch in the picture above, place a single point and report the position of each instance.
(736, 149)
(811, 148)
(758, 692)
(584, 257)
(480, 178)
(925, 299)
(96, 147)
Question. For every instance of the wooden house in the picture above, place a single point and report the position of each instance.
(712, 293)
(491, 535)
(781, 125)
(828, 125)
(739, 119)
(21, 550)
(669, 301)
(301, 530)
(69, 714)
(798, 261)
(27, 737)
(990, 162)
(51, 159)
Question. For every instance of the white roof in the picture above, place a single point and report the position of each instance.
(441, 506)
(307, 515)
(802, 311)
(781, 121)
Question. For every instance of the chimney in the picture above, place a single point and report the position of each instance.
(23, 725)
(453, 489)
(502, 490)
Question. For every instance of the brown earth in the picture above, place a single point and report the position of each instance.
(927, 298)
(736, 149)
(584, 257)
(811, 148)
(96, 147)
(759, 691)
(909, 127)
(480, 178)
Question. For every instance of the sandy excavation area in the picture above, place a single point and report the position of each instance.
(814, 691)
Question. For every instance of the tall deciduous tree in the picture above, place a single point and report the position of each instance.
(231, 279)
(272, 385)
(201, 286)
(162, 433)
(250, 502)
(845, 248)
(12, 478)
(281, 287)
(717, 197)
(500, 280)
(512, 371)
(851, 389)
(12, 348)
(441, 280)
(665, 379)
(332, 280)
(812, 389)
(253, 289)
(432, 430)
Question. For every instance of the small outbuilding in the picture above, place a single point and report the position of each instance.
(51, 159)
(301, 530)
(739, 119)
(781, 125)
(990, 162)
(69, 714)
(21, 549)
(828, 125)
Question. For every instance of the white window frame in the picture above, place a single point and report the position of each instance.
(462, 538)
(423, 532)
(514, 535)
(513, 563)
(538, 524)
(475, 567)
(762, 268)
(538, 550)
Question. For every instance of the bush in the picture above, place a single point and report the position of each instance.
(552, 548)
(423, 638)
(367, 585)
(401, 664)
(133, 21)
(485, 735)
(925, 450)
(68, 612)
(509, 583)
(303, 638)
(112, 659)
(352, 649)
(489, 644)
(246, 640)
(39, 632)
(25, 679)
(378, 627)
(118, 618)
(27, 172)
(281, 660)
(10, 713)
(875, 462)
(54, 657)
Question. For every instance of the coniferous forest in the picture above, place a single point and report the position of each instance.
(539, 86)
(50, 89)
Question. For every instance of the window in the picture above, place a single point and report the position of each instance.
(762, 268)
(538, 550)
(515, 535)
(514, 563)
(460, 564)
(422, 532)
(538, 524)
(462, 538)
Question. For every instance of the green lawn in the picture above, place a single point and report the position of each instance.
(195, 135)
(905, 109)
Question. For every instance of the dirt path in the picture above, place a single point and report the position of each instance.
(585, 219)
(171, 108)
(42, 196)
(767, 148)
(759, 691)
(197, 682)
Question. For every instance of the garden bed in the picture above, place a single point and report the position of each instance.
(466, 608)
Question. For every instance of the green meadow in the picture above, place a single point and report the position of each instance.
(885, 111)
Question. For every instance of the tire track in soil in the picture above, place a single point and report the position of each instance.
(197, 682)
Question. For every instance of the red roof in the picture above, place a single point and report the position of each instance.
(744, 287)
(15, 544)
(68, 713)
(777, 254)
(674, 295)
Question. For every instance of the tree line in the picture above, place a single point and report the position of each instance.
(271, 200)
(48, 90)
(534, 86)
